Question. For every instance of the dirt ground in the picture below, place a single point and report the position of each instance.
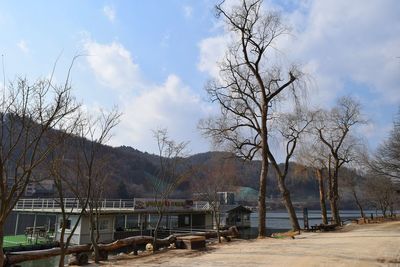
(354, 245)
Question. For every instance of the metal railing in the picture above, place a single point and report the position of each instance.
(44, 204)
(69, 203)
(201, 205)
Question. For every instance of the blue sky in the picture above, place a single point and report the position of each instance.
(152, 58)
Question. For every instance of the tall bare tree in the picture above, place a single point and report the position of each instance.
(79, 170)
(333, 130)
(28, 113)
(291, 127)
(171, 173)
(94, 133)
(216, 176)
(62, 171)
(386, 160)
(248, 87)
(314, 155)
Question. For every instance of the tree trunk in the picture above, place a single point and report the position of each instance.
(391, 209)
(61, 259)
(288, 204)
(322, 203)
(2, 256)
(63, 247)
(63, 251)
(93, 239)
(335, 188)
(262, 209)
(333, 192)
(358, 203)
(160, 215)
(217, 219)
(383, 208)
(334, 211)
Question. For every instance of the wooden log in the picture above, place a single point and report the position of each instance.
(232, 231)
(103, 255)
(17, 257)
(136, 240)
(21, 256)
(79, 259)
(191, 242)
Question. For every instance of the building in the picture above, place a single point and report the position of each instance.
(120, 218)
(226, 198)
(235, 215)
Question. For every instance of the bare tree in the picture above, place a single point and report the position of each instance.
(314, 155)
(333, 130)
(79, 169)
(249, 87)
(356, 186)
(94, 166)
(216, 176)
(291, 126)
(29, 112)
(386, 160)
(381, 194)
(61, 172)
(171, 173)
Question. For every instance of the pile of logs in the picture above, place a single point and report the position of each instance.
(81, 252)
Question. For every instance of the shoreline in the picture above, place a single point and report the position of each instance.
(375, 244)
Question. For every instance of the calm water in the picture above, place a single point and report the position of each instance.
(50, 262)
(280, 219)
(276, 221)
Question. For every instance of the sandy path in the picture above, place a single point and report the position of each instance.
(367, 245)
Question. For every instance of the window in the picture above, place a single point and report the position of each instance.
(187, 220)
(238, 219)
(67, 224)
(103, 224)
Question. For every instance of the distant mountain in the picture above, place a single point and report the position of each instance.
(132, 170)
(131, 173)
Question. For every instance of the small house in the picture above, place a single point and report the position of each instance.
(235, 215)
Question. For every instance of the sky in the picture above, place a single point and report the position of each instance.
(152, 58)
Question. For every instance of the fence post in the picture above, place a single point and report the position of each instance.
(305, 218)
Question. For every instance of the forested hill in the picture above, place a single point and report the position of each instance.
(131, 171)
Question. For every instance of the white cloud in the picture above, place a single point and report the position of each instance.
(113, 65)
(171, 105)
(351, 41)
(338, 42)
(109, 12)
(212, 51)
(346, 47)
(22, 44)
(342, 40)
(187, 11)
(145, 105)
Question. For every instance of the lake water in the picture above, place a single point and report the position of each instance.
(278, 221)
(50, 262)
